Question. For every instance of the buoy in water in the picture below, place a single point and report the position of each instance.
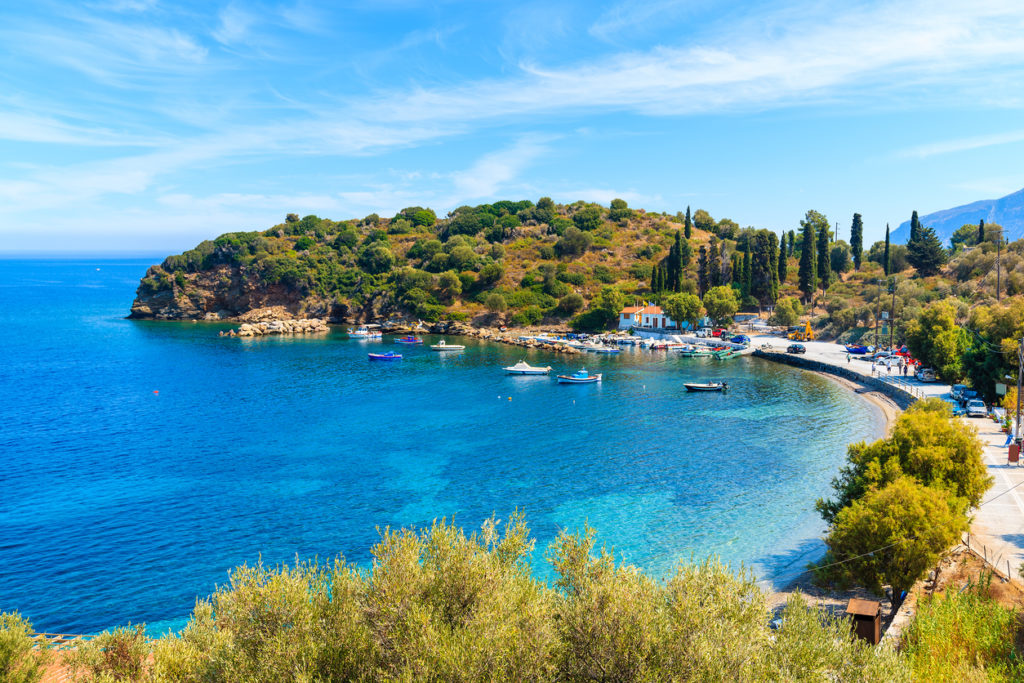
(510, 398)
(155, 391)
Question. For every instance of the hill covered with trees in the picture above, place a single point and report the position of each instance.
(524, 263)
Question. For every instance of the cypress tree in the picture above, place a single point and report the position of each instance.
(702, 270)
(857, 240)
(677, 275)
(885, 255)
(915, 228)
(654, 277)
(824, 262)
(685, 256)
(714, 264)
(737, 269)
(792, 243)
(745, 281)
(783, 267)
(808, 263)
(981, 231)
(688, 225)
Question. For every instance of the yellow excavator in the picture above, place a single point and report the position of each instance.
(805, 334)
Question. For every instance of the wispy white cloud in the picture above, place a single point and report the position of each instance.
(235, 24)
(626, 17)
(28, 127)
(492, 172)
(961, 144)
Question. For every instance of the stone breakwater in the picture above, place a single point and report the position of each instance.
(260, 329)
(491, 334)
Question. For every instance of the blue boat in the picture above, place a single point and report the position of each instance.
(409, 340)
(857, 349)
(390, 355)
(579, 377)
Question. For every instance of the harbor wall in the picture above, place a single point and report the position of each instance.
(903, 397)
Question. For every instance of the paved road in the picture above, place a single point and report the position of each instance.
(998, 524)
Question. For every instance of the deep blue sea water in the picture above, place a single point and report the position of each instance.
(118, 503)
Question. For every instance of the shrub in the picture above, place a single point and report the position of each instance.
(925, 443)
(570, 303)
(963, 636)
(118, 655)
(893, 534)
(571, 278)
(531, 315)
(495, 303)
(19, 661)
(606, 275)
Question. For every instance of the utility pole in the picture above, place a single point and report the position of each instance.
(892, 311)
(999, 243)
(878, 314)
(1020, 372)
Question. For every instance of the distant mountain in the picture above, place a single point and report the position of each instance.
(1007, 212)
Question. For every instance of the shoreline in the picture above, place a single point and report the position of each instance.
(834, 600)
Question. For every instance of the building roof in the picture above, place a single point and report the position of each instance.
(652, 310)
(632, 309)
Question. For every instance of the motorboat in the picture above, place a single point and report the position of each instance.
(387, 355)
(364, 332)
(598, 348)
(524, 368)
(445, 346)
(579, 377)
(693, 352)
(409, 340)
(706, 386)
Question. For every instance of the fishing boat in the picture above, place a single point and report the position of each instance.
(598, 348)
(445, 346)
(725, 354)
(706, 386)
(364, 332)
(409, 340)
(579, 377)
(857, 349)
(387, 355)
(524, 368)
(693, 352)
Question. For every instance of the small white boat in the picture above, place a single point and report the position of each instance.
(364, 332)
(524, 368)
(707, 386)
(579, 377)
(445, 346)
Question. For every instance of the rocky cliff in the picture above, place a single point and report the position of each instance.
(228, 292)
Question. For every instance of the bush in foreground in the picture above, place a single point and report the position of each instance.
(19, 663)
(964, 636)
(440, 606)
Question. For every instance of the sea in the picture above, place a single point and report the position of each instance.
(140, 461)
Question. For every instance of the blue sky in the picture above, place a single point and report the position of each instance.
(144, 125)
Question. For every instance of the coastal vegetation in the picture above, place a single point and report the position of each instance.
(960, 308)
(901, 501)
(440, 605)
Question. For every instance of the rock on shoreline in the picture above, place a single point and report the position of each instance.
(260, 329)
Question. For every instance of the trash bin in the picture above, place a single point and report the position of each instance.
(1014, 455)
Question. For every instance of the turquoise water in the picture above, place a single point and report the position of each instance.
(118, 503)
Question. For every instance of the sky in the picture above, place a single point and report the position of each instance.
(150, 125)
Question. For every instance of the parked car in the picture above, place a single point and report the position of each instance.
(955, 391)
(703, 332)
(925, 375)
(966, 395)
(740, 339)
(717, 332)
(976, 408)
(796, 348)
